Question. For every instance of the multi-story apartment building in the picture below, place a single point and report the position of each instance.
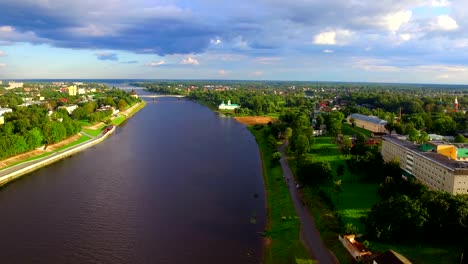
(439, 166)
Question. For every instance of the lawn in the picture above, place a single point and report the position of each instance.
(348, 129)
(354, 202)
(119, 120)
(356, 197)
(94, 132)
(283, 225)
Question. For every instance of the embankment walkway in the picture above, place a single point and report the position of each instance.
(309, 233)
(16, 171)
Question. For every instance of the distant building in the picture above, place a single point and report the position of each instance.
(1, 82)
(228, 106)
(13, 85)
(72, 90)
(69, 108)
(371, 123)
(81, 91)
(439, 166)
(2, 112)
(134, 94)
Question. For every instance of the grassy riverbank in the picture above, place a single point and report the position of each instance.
(282, 242)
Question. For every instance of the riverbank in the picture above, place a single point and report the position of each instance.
(32, 163)
(282, 241)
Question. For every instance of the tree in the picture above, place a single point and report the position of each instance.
(79, 113)
(301, 145)
(34, 138)
(312, 173)
(288, 133)
(346, 145)
(459, 138)
(54, 132)
(122, 105)
(423, 137)
(399, 218)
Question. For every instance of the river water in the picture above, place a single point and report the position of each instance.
(175, 184)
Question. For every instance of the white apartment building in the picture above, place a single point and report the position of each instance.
(437, 171)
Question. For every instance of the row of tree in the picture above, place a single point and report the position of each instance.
(409, 211)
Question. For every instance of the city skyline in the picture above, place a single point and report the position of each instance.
(413, 41)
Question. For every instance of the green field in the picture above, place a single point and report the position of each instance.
(94, 132)
(348, 129)
(119, 120)
(283, 225)
(354, 202)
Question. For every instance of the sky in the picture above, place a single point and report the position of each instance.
(409, 41)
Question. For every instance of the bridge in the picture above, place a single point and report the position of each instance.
(161, 95)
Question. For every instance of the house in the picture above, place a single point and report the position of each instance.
(356, 249)
(228, 106)
(2, 112)
(81, 91)
(69, 108)
(388, 257)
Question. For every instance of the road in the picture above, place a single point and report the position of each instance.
(309, 233)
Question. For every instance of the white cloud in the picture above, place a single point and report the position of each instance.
(155, 63)
(222, 72)
(267, 60)
(190, 61)
(440, 3)
(444, 22)
(327, 51)
(394, 21)
(405, 37)
(216, 41)
(2, 65)
(442, 68)
(257, 73)
(334, 37)
(2, 53)
(375, 65)
(6, 29)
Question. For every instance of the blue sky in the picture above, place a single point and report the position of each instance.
(335, 40)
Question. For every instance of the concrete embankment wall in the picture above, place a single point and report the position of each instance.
(52, 158)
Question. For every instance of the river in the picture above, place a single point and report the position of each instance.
(176, 183)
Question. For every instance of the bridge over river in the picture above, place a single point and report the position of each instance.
(161, 95)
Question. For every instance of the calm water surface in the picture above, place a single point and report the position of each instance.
(175, 184)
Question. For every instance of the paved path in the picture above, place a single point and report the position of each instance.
(309, 233)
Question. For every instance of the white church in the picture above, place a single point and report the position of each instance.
(228, 106)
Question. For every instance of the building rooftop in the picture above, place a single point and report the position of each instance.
(462, 152)
(431, 155)
(371, 119)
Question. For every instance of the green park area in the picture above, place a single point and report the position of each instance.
(350, 198)
(282, 242)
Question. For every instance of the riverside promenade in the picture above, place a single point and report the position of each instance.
(11, 173)
(16, 171)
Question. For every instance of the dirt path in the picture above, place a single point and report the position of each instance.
(309, 233)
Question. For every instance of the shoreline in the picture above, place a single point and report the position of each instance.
(23, 168)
